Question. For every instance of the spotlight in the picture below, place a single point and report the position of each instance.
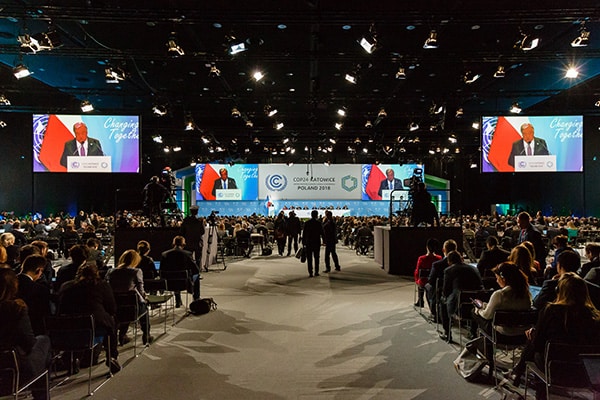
(527, 42)
(214, 71)
(3, 124)
(351, 77)
(382, 113)
(173, 48)
(21, 71)
(452, 139)
(431, 41)
(176, 148)
(249, 124)
(341, 112)
(270, 111)
(236, 46)
(279, 126)
(368, 124)
(338, 126)
(114, 75)
(368, 42)
(157, 139)
(39, 42)
(500, 73)
(475, 125)
(597, 103)
(515, 108)
(4, 101)
(459, 112)
(571, 73)
(471, 77)
(235, 113)
(258, 76)
(357, 141)
(86, 106)
(190, 125)
(160, 110)
(582, 40)
(193, 162)
(413, 126)
(401, 74)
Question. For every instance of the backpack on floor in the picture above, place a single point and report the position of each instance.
(470, 362)
(202, 306)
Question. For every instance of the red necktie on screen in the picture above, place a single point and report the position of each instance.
(528, 149)
(82, 151)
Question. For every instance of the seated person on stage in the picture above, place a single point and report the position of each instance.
(457, 277)
(178, 259)
(513, 295)
(424, 263)
(570, 318)
(491, 257)
(33, 352)
(125, 278)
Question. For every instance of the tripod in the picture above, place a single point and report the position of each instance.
(220, 256)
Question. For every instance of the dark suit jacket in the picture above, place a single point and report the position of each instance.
(489, 259)
(535, 237)
(540, 148)
(219, 185)
(548, 293)
(385, 186)
(459, 277)
(87, 298)
(37, 298)
(192, 229)
(65, 273)
(178, 259)
(94, 149)
(312, 234)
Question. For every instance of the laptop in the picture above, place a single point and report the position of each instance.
(534, 290)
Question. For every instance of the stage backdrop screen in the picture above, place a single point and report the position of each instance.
(111, 143)
(532, 143)
(379, 180)
(227, 182)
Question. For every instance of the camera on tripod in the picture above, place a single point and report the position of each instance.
(212, 218)
(414, 180)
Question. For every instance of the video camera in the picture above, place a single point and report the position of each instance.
(414, 180)
(212, 218)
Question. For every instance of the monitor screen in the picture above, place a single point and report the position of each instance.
(380, 181)
(227, 182)
(86, 143)
(532, 143)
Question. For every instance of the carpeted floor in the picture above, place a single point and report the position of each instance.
(278, 334)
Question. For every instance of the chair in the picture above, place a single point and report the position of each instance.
(75, 333)
(11, 381)
(177, 281)
(512, 320)
(465, 306)
(243, 247)
(563, 368)
(160, 287)
(423, 273)
(363, 245)
(128, 312)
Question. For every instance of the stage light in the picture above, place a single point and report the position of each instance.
(338, 126)
(471, 77)
(515, 108)
(193, 163)
(190, 125)
(583, 39)
(270, 111)
(235, 113)
(500, 73)
(452, 139)
(527, 42)
(214, 71)
(459, 112)
(173, 49)
(176, 148)
(368, 42)
(571, 73)
(258, 75)
(114, 74)
(4, 101)
(249, 124)
(413, 126)
(341, 112)
(279, 126)
(352, 78)
(368, 124)
(157, 139)
(86, 106)
(160, 110)
(382, 113)
(21, 71)
(475, 125)
(39, 41)
(401, 74)
(431, 41)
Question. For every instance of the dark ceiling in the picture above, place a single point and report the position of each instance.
(305, 49)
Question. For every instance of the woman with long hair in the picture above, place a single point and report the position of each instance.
(33, 352)
(571, 318)
(523, 258)
(125, 278)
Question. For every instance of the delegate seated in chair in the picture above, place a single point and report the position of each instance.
(33, 352)
(178, 259)
(571, 319)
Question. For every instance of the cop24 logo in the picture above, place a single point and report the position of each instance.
(276, 182)
(349, 183)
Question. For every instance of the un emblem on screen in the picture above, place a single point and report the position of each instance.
(276, 182)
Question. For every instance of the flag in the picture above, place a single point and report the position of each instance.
(504, 136)
(374, 182)
(208, 181)
(57, 134)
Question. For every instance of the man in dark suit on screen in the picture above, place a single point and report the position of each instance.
(82, 145)
(390, 182)
(529, 145)
(224, 182)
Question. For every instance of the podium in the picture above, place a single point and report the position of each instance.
(228, 194)
(89, 164)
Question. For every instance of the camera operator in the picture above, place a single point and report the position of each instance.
(423, 208)
(192, 229)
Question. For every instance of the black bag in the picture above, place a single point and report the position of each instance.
(202, 306)
(470, 363)
(267, 251)
(301, 254)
